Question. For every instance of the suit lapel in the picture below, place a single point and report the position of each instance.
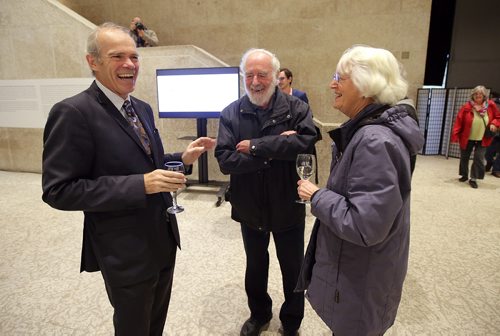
(111, 109)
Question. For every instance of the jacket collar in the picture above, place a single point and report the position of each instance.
(278, 104)
(343, 135)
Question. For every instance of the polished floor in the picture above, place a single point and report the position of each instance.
(452, 286)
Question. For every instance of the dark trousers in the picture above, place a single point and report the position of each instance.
(477, 168)
(290, 251)
(493, 154)
(141, 308)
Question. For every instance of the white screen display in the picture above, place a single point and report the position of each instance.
(196, 92)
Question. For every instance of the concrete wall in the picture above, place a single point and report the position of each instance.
(39, 39)
(56, 49)
(307, 36)
(46, 40)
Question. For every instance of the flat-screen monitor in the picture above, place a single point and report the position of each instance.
(196, 92)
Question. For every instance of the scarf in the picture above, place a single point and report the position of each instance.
(480, 108)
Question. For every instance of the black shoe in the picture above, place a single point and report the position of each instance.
(473, 184)
(252, 327)
(488, 166)
(463, 179)
(286, 332)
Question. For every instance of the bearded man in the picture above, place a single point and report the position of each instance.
(259, 138)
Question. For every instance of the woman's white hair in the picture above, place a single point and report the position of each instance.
(479, 89)
(375, 72)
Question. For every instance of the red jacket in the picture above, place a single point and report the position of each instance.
(463, 124)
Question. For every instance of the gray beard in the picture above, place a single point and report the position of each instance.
(263, 99)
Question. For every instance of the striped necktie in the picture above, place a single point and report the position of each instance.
(136, 124)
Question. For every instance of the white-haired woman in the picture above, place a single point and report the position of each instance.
(357, 256)
(469, 130)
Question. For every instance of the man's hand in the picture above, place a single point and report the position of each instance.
(196, 148)
(160, 180)
(306, 189)
(243, 146)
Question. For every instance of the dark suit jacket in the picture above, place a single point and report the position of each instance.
(300, 94)
(93, 161)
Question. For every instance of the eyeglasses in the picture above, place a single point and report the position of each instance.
(260, 75)
(336, 77)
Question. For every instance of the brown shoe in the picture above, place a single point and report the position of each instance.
(496, 174)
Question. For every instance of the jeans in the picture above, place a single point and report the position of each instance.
(477, 168)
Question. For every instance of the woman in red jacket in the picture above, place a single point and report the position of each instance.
(473, 119)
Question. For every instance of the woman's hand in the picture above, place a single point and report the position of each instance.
(306, 189)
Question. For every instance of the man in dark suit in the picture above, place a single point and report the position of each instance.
(103, 155)
(285, 79)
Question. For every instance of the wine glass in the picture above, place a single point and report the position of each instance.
(305, 165)
(176, 166)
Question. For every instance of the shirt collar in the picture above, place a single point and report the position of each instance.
(113, 97)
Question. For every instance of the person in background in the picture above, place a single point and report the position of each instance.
(492, 155)
(259, 138)
(103, 155)
(357, 257)
(142, 36)
(285, 79)
(473, 118)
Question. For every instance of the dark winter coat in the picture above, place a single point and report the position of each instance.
(263, 184)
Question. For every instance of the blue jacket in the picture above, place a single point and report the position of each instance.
(301, 95)
(264, 184)
(357, 257)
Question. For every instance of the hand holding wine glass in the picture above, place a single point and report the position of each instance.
(176, 166)
(305, 165)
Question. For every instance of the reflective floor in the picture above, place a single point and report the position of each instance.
(452, 286)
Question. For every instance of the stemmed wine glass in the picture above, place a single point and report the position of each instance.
(305, 165)
(176, 166)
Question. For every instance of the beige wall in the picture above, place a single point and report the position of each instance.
(38, 39)
(307, 36)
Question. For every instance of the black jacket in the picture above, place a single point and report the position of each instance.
(264, 184)
(93, 161)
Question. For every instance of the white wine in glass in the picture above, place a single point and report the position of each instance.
(176, 166)
(305, 165)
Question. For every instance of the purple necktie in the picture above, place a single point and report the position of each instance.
(137, 126)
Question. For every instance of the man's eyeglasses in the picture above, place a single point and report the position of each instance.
(260, 75)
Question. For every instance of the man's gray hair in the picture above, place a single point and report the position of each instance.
(274, 60)
(93, 47)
